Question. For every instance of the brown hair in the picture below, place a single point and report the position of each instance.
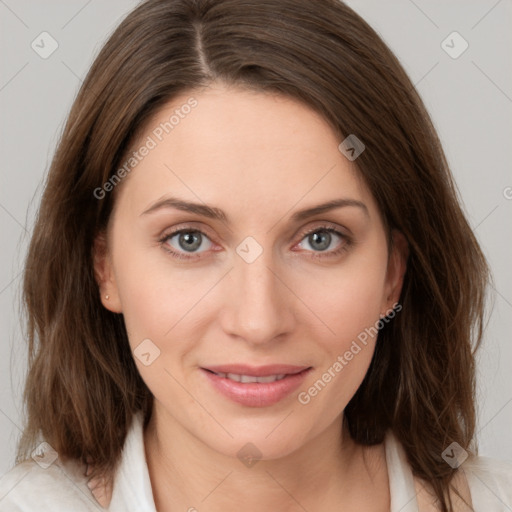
(83, 386)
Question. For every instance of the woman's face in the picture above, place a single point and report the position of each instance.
(253, 279)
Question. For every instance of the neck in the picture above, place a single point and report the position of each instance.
(186, 474)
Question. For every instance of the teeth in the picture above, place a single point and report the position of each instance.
(244, 379)
(270, 378)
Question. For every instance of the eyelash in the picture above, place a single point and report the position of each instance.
(346, 242)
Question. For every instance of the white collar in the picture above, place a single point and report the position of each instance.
(401, 481)
(132, 486)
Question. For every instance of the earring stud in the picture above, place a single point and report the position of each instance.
(107, 297)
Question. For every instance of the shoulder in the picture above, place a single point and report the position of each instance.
(490, 482)
(483, 483)
(30, 487)
(480, 484)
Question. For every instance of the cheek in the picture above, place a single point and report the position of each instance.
(155, 305)
(154, 295)
(352, 313)
(143, 304)
(347, 299)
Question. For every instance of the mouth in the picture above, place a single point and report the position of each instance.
(246, 379)
(256, 386)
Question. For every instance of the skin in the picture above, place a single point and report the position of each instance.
(260, 158)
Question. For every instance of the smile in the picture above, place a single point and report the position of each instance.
(251, 378)
(252, 390)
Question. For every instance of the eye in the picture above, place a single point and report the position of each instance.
(186, 243)
(183, 241)
(321, 238)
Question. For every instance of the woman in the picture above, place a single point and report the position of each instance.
(250, 282)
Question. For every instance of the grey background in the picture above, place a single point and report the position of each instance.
(469, 98)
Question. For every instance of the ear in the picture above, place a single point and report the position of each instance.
(397, 265)
(104, 275)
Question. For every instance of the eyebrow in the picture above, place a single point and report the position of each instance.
(218, 214)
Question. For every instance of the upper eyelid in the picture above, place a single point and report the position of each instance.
(302, 232)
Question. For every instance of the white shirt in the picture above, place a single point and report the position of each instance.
(28, 487)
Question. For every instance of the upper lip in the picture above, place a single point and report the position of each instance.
(257, 371)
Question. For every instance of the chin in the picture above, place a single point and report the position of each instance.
(258, 442)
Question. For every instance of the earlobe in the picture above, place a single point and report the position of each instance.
(104, 275)
(397, 266)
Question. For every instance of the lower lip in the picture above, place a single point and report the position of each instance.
(256, 394)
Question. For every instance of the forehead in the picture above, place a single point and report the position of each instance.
(228, 145)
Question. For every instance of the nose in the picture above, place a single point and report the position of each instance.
(260, 307)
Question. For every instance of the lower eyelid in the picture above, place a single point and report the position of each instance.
(344, 242)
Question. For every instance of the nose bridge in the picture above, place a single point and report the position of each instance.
(258, 308)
